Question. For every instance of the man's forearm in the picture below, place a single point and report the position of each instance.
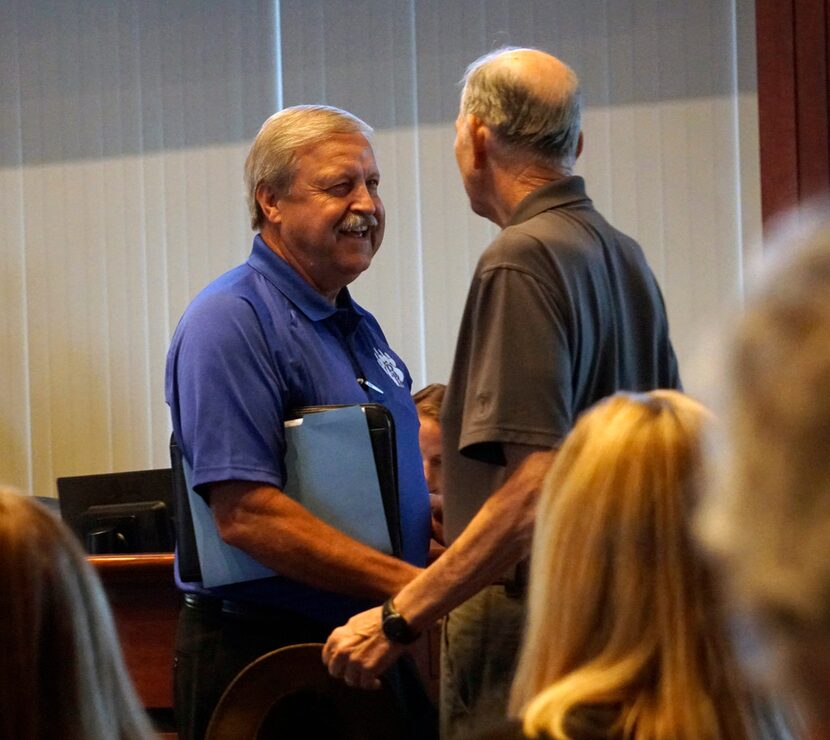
(496, 539)
(281, 534)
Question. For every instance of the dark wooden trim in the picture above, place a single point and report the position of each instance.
(774, 24)
(811, 82)
(793, 102)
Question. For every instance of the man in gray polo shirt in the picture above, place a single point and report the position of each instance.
(562, 311)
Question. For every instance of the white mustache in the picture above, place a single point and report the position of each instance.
(357, 222)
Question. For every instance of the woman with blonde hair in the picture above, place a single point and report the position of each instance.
(624, 636)
(61, 670)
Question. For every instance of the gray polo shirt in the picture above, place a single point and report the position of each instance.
(562, 311)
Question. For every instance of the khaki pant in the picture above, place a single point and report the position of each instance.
(479, 651)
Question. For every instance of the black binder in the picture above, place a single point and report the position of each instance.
(382, 434)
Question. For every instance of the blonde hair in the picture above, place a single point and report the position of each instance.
(622, 610)
(272, 159)
(61, 670)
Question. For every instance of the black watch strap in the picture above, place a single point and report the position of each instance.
(395, 626)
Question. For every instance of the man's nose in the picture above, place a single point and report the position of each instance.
(364, 202)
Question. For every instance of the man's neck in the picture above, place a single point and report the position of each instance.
(512, 185)
(273, 242)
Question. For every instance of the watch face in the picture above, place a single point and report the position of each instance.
(392, 627)
(395, 627)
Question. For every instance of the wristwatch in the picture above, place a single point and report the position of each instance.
(395, 626)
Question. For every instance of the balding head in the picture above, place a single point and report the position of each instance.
(530, 99)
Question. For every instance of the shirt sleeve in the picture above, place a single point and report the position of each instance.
(227, 395)
(518, 386)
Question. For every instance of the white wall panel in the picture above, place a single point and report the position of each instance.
(123, 128)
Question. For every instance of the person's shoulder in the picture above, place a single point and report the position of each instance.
(516, 247)
(225, 308)
(545, 255)
(573, 241)
(583, 227)
(230, 293)
(560, 232)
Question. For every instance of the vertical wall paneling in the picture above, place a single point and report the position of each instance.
(746, 130)
(124, 125)
(15, 401)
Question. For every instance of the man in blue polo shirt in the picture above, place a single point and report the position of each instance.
(275, 334)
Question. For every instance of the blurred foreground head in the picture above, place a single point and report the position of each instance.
(61, 670)
(769, 516)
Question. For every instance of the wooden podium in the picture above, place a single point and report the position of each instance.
(145, 604)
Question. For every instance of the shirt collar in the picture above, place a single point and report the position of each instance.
(294, 287)
(566, 191)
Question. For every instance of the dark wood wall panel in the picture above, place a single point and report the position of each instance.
(793, 102)
(775, 26)
(811, 92)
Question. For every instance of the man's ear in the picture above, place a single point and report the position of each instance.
(579, 144)
(481, 137)
(268, 202)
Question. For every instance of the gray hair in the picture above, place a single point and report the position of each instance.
(546, 129)
(272, 159)
(768, 518)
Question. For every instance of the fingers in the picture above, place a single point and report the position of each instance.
(358, 652)
(337, 650)
(341, 658)
(331, 645)
(341, 664)
(359, 679)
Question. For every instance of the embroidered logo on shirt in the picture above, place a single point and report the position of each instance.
(389, 367)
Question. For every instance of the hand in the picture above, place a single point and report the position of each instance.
(359, 652)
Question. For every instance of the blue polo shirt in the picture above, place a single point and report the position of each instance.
(255, 344)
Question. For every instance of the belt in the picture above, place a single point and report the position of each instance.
(515, 583)
(259, 612)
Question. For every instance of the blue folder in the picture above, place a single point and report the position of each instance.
(341, 466)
